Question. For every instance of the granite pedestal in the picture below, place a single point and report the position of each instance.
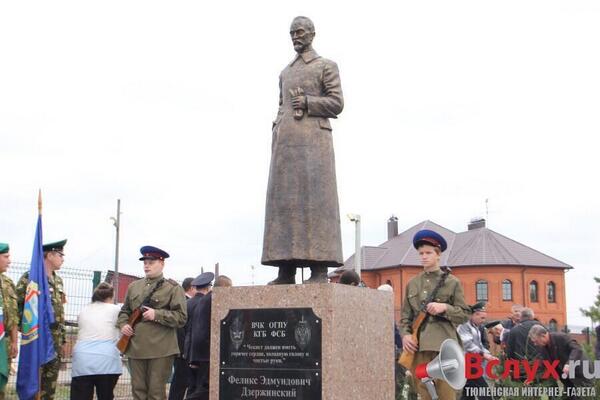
(321, 341)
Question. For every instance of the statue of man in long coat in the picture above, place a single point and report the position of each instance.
(302, 219)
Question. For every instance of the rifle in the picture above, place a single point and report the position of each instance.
(406, 358)
(135, 317)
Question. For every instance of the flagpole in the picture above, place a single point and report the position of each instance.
(38, 395)
(40, 202)
(36, 341)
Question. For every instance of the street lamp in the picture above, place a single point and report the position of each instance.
(357, 259)
(117, 224)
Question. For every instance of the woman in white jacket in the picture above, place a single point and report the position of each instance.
(96, 360)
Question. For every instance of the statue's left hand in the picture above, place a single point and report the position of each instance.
(299, 102)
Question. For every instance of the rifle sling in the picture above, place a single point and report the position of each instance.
(430, 298)
(148, 298)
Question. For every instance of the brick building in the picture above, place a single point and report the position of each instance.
(492, 268)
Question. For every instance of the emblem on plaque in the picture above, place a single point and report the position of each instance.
(236, 332)
(302, 334)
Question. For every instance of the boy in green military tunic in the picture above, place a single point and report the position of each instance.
(153, 344)
(10, 311)
(445, 313)
(53, 259)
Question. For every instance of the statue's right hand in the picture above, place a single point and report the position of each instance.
(127, 330)
(409, 344)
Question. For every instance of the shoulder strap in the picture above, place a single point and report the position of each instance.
(435, 290)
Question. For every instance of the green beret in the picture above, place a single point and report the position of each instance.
(3, 248)
(54, 246)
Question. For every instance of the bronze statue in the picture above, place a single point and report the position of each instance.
(302, 219)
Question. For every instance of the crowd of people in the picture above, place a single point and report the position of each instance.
(166, 327)
(518, 337)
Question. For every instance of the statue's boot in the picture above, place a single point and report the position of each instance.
(286, 276)
(317, 275)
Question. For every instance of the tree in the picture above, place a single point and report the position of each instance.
(594, 311)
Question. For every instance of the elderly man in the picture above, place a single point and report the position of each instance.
(54, 257)
(154, 346)
(513, 320)
(560, 346)
(472, 336)
(518, 346)
(302, 219)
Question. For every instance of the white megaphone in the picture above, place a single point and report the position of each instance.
(449, 366)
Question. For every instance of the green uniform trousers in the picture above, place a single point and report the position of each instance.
(444, 391)
(2, 391)
(149, 377)
(49, 377)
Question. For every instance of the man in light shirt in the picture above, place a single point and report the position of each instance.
(471, 337)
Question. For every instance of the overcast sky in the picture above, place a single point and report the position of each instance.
(168, 106)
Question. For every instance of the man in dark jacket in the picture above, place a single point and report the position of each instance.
(509, 323)
(181, 370)
(560, 346)
(197, 337)
(519, 347)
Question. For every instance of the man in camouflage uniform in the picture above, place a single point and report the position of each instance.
(53, 260)
(447, 310)
(9, 307)
(153, 348)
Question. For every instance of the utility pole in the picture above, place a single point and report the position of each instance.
(117, 225)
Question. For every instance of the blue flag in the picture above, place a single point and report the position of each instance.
(37, 346)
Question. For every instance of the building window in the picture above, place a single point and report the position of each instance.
(506, 290)
(552, 325)
(551, 292)
(481, 290)
(533, 292)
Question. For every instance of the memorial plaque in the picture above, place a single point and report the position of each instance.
(271, 353)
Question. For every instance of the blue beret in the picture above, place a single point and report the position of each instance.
(4, 248)
(55, 246)
(431, 238)
(153, 253)
(203, 279)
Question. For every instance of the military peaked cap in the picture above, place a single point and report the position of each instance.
(203, 279)
(431, 238)
(478, 306)
(55, 246)
(4, 248)
(153, 253)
